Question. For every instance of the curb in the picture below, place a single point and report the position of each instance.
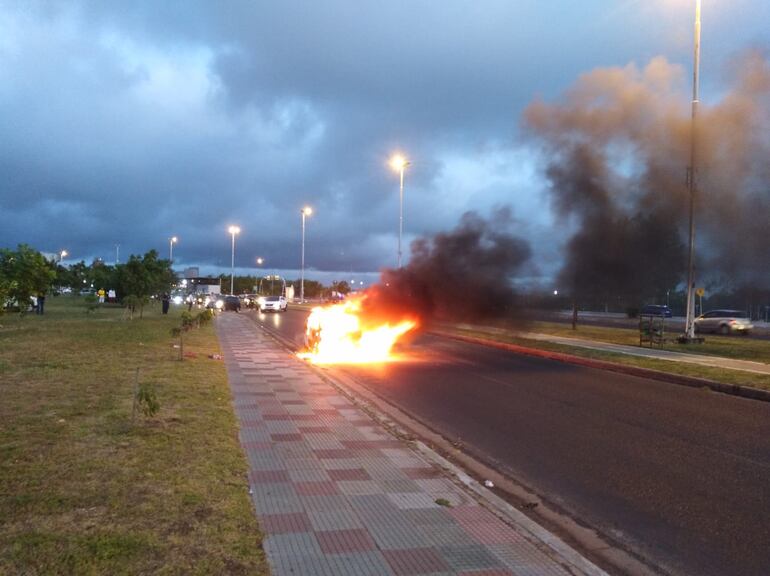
(690, 381)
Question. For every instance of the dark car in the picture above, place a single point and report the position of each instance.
(656, 310)
(232, 303)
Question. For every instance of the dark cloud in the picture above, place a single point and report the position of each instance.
(129, 122)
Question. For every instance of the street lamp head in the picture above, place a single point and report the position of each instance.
(64, 253)
(307, 210)
(234, 230)
(174, 239)
(259, 261)
(398, 162)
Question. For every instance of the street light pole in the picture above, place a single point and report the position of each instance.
(306, 211)
(62, 254)
(233, 231)
(399, 163)
(171, 242)
(692, 181)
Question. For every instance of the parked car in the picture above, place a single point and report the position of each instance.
(231, 303)
(275, 303)
(655, 310)
(724, 322)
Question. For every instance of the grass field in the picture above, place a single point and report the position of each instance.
(727, 346)
(84, 488)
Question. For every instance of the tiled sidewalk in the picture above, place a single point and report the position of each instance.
(336, 495)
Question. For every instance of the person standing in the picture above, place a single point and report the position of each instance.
(101, 294)
(165, 300)
(40, 303)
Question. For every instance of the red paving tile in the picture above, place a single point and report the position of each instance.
(349, 474)
(290, 437)
(293, 402)
(277, 417)
(267, 476)
(333, 453)
(423, 473)
(415, 561)
(314, 429)
(324, 488)
(341, 541)
(329, 411)
(285, 523)
(252, 424)
(303, 417)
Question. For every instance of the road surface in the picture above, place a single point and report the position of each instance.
(678, 475)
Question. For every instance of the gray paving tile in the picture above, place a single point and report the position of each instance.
(309, 475)
(277, 498)
(359, 564)
(526, 560)
(342, 519)
(469, 557)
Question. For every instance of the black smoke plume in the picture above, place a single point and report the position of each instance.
(617, 148)
(465, 274)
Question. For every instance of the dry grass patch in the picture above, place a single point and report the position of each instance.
(83, 488)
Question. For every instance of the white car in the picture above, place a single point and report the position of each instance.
(275, 303)
(724, 322)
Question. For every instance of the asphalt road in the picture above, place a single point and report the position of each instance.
(679, 475)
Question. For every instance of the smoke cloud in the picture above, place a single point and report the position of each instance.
(616, 149)
(465, 274)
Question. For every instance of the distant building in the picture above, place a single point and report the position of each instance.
(204, 285)
(191, 272)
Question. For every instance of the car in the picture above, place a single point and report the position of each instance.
(231, 303)
(250, 300)
(724, 322)
(214, 302)
(656, 310)
(275, 303)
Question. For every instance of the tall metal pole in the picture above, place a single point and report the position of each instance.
(692, 181)
(401, 213)
(232, 264)
(302, 267)
(117, 254)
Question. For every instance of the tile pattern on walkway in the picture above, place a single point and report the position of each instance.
(335, 494)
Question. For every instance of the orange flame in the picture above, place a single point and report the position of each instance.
(339, 334)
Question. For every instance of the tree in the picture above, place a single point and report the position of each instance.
(140, 278)
(24, 273)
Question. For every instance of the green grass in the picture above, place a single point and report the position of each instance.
(727, 346)
(84, 488)
(738, 347)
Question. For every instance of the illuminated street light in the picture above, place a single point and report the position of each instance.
(306, 211)
(233, 230)
(62, 254)
(692, 182)
(171, 241)
(399, 163)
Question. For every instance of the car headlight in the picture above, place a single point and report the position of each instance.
(219, 304)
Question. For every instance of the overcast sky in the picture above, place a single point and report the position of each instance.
(126, 123)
